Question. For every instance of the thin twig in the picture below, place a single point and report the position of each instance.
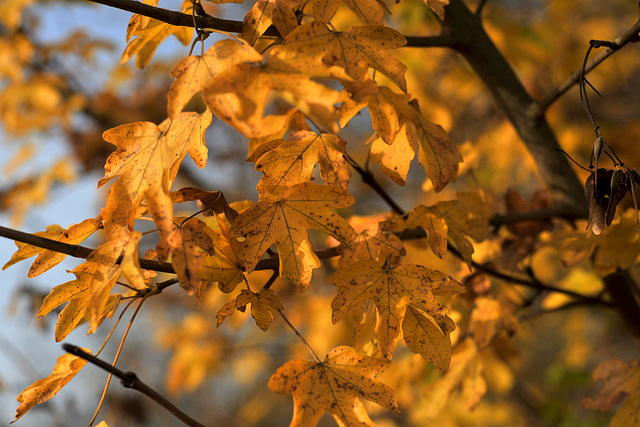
(130, 380)
(631, 35)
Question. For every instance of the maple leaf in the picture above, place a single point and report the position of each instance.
(371, 241)
(369, 12)
(441, 220)
(437, 6)
(186, 244)
(149, 34)
(392, 289)
(67, 366)
(73, 235)
(621, 380)
(223, 265)
(395, 159)
(335, 386)
(292, 162)
(284, 222)
(194, 72)
(26, 251)
(146, 163)
(239, 95)
(313, 47)
(280, 13)
(262, 305)
(425, 337)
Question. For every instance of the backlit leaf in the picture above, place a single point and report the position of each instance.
(392, 289)
(335, 386)
(285, 222)
(280, 13)
(67, 366)
(423, 336)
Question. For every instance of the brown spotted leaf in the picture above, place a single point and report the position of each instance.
(292, 162)
(262, 305)
(264, 13)
(335, 386)
(424, 336)
(392, 289)
(369, 12)
(285, 222)
(194, 73)
(26, 251)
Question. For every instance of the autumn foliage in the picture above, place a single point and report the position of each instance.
(347, 120)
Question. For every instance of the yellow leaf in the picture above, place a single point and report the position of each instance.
(149, 33)
(334, 386)
(194, 73)
(26, 251)
(371, 241)
(285, 222)
(440, 220)
(392, 289)
(262, 305)
(67, 366)
(292, 162)
(437, 6)
(264, 13)
(313, 48)
(423, 336)
(488, 318)
(223, 266)
(186, 244)
(395, 159)
(146, 162)
(73, 235)
(239, 95)
(369, 12)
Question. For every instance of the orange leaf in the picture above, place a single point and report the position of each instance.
(194, 73)
(239, 95)
(26, 251)
(73, 235)
(370, 242)
(369, 12)
(292, 162)
(425, 337)
(67, 366)
(392, 289)
(280, 13)
(334, 386)
(313, 48)
(284, 222)
(262, 305)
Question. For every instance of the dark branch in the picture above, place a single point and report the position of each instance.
(130, 380)
(631, 35)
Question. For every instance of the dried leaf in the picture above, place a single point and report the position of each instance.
(423, 336)
(334, 386)
(264, 13)
(67, 366)
(392, 289)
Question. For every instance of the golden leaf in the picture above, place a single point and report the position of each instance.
(425, 337)
(239, 95)
(437, 6)
(371, 242)
(26, 251)
(67, 366)
(149, 34)
(292, 162)
(285, 222)
(392, 289)
(313, 48)
(334, 386)
(73, 235)
(369, 12)
(262, 305)
(194, 73)
(264, 13)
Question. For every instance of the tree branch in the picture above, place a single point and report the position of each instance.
(130, 380)
(472, 42)
(631, 35)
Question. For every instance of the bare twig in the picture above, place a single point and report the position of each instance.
(631, 35)
(130, 380)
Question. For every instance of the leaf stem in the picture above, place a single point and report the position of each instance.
(299, 335)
